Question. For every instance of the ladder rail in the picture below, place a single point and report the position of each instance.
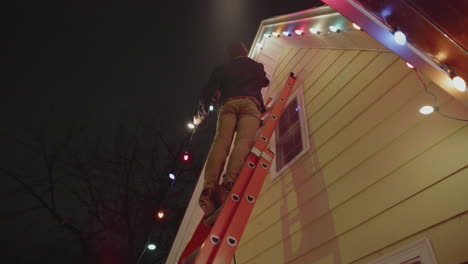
(211, 243)
(239, 221)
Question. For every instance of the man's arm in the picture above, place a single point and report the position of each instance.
(210, 94)
(262, 75)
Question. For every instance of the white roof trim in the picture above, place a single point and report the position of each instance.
(374, 27)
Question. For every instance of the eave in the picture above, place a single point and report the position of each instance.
(378, 35)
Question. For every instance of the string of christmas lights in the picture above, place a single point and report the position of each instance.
(428, 109)
(185, 156)
(400, 39)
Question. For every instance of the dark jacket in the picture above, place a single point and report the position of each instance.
(242, 76)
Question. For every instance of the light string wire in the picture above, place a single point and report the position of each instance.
(433, 58)
(436, 108)
(184, 145)
(440, 63)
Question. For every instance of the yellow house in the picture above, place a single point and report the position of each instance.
(361, 175)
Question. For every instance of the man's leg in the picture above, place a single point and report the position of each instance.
(247, 127)
(217, 156)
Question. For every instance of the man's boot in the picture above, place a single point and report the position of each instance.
(207, 201)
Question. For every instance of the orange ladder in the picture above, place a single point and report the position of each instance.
(221, 243)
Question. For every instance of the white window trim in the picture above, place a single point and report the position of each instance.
(304, 134)
(418, 250)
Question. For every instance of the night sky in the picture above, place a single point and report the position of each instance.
(104, 64)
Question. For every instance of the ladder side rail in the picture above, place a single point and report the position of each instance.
(239, 221)
(211, 243)
(196, 241)
(277, 109)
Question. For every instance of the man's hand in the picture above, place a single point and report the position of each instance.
(197, 120)
(215, 97)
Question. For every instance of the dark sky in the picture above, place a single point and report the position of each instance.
(106, 62)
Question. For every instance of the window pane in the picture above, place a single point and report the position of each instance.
(288, 135)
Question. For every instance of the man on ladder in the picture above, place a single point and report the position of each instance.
(236, 85)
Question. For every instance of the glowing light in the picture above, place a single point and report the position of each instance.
(196, 121)
(172, 176)
(266, 35)
(211, 108)
(299, 32)
(427, 109)
(356, 26)
(333, 29)
(459, 83)
(314, 31)
(286, 33)
(276, 34)
(399, 37)
(186, 157)
(191, 125)
(409, 65)
(161, 214)
(259, 45)
(151, 246)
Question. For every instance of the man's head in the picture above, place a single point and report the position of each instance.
(237, 49)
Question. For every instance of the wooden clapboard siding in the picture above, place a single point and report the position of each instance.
(310, 61)
(372, 157)
(448, 250)
(273, 50)
(339, 82)
(369, 80)
(437, 204)
(392, 126)
(384, 174)
(289, 54)
(268, 64)
(296, 67)
(331, 72)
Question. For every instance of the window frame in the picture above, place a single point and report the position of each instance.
(299, 94)
(419, 250)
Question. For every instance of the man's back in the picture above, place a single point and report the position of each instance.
(242, 76)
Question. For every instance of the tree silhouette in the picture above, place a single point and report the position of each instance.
(103, 191)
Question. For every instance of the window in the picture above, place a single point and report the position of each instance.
(418, 252)
(290, 140)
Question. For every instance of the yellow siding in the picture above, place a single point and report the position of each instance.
(378, 174)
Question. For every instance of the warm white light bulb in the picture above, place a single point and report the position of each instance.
(427, 109)
(459, 83)
(356, 26)
(286, 33)
(191, 125)
(399, 37)
(276, 34)
(314, 31)
(299, 32)
(409, 65)
(171, 176)
(333, 29)
(151, 246)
